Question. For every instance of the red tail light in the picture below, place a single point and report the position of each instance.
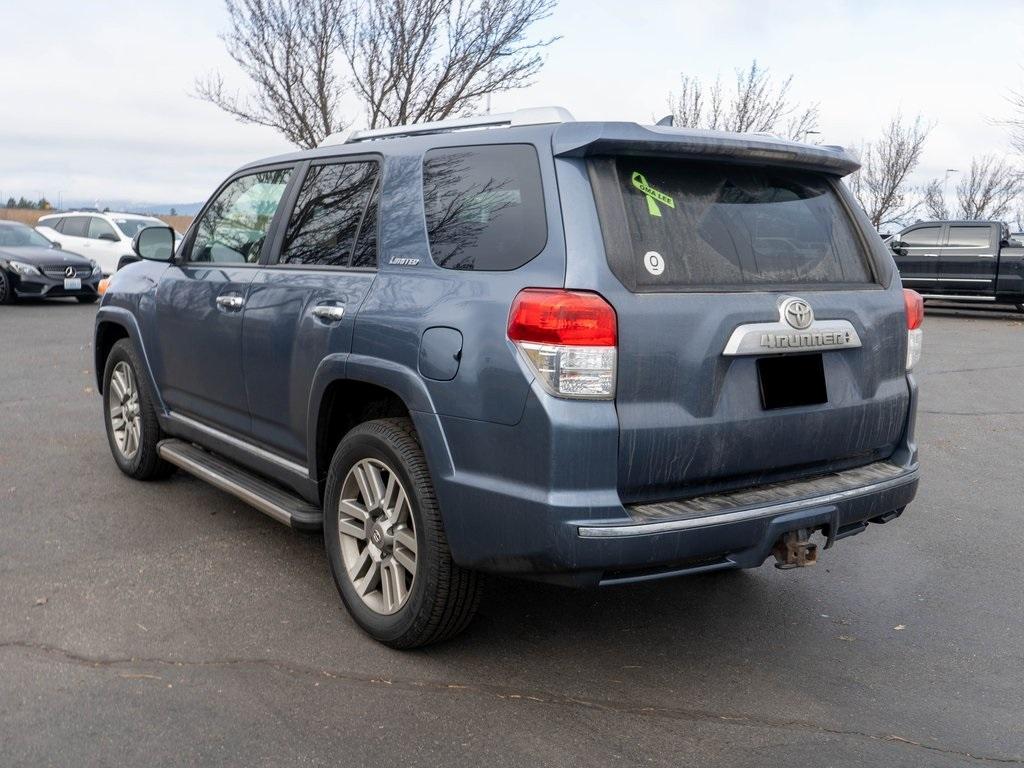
(573, 318)
(915, 309)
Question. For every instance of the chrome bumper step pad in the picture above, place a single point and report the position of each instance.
(751, 503)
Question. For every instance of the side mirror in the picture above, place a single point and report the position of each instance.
(154, 243)
(55, 244)
(109, 236)
(1004, 243)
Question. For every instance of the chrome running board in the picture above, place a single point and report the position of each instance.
(276, 502)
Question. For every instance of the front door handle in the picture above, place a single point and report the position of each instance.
(329, 312)
(231, 303)
(930, 255)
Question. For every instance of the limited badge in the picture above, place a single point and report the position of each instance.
(654, 263)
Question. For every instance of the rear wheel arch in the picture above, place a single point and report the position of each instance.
(344, 405)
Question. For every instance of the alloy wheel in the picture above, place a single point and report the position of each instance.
(378, 536)
(123, 407)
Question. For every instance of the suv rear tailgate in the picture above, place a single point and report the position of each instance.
(734, 241)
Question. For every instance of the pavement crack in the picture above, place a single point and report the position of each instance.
(495, 691)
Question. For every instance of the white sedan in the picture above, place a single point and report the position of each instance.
(105, 238)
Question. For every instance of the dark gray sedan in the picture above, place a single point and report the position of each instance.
(33, 267)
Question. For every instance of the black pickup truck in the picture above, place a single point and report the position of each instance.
(961, 261)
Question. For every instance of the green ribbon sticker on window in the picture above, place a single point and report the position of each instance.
(653, 196)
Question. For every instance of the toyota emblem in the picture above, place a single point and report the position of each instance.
(797, 313)
(69, 271)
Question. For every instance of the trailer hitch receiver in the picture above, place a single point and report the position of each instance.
(795, 550)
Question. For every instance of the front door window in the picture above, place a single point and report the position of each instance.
(234, 227)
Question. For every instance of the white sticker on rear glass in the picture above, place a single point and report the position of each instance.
(654, 263)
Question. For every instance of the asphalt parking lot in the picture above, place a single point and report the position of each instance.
(169, 624)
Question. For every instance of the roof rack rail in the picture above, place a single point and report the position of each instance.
(533, 116)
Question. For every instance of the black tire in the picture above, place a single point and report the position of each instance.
(144, 463)
(86, 299)
(6, 289)
(443, 597)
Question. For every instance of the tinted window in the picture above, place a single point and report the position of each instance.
(16, 235)
(365, 254)
(694, 224)
(968, 237)
(131, 227)
(76, 226)
(234, 226)
(484, 206)
(921, 238)
(98, 226)
(328, 214)
(54, 224)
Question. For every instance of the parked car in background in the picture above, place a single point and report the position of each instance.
(975, 261)
(589, 353)
(31, 266)
(104, 237)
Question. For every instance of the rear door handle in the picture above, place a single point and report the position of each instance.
(930, 255)
(986, 255)
(330, 313)
(230, 302)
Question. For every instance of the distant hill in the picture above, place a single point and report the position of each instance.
(133, 206)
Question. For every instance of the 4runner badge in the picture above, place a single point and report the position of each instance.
(795, 330)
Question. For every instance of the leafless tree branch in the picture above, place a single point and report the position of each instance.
(407, 61)
(881, 185)
(933, 200)
(287, 48)
(757, 104)
(420, 60)
(989, 190)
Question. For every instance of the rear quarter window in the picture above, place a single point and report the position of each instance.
(484, 206)
(672, 224)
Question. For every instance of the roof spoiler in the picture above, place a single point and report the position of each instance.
(587, 139)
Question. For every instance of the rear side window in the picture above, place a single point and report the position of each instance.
(674, 224)
(922, 237)
(53, 224)
(968, 237)
(98, 227)
(332, 209)
(76, 226)
(484, 206)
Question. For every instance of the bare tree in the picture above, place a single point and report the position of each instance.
(1016, 123)
(758, 104)
(422, 60)
(404, 60)
(882, 185)
(934, 200)
(990, 190)
(288, 50)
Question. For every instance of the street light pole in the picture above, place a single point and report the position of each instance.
(945, 181)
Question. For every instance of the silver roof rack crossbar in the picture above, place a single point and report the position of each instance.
(533, 116)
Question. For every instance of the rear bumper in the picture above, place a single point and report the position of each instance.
(538, 500)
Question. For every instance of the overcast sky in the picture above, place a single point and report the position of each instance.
(94, 97)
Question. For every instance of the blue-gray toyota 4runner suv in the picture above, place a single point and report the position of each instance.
(589, 353)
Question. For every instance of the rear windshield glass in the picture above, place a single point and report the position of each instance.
(678, 224)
